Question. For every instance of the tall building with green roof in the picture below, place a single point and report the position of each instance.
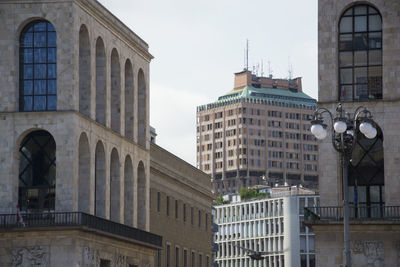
(258, 133)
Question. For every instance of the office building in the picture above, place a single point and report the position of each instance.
(258, 133)
(272, 224)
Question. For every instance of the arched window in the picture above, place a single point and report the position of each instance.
(366, 176)
(38, 67)
(37, 172)
(360, 54)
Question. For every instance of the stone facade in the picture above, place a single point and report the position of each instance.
(180, 201)
(100, 126)
(376, 237)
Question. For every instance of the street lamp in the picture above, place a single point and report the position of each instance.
(344, 137)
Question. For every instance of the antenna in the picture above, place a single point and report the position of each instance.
(246, 62)
(290, 69)
(269, 70)
(262, 68)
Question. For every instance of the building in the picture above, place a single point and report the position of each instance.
(180, 210)
(359, 66)
(260, 129)
(272, 224)
(75, 150)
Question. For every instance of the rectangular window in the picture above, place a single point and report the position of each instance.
(192, 215)
(200, 261)
(176, 257)
(199, 218)
(206, 221)
(176, 209)
(184, 212)
(168, 256)
(193, 260)
(167, 206)
(158, 201)
(185, 258)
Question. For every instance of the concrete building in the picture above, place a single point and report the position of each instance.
(272, 224)
(180, 210)
(359, 48)
(75, 150)
(259, 129)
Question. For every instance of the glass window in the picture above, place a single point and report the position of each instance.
(38, 67)
(360, 54)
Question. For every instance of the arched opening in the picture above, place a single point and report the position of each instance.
(128, 192)
(38, 67)
(360, 54)
(115, 92)
(101, 82)
(37, 172)
(366, 176)
(141, 196)
(100, 181)
(142, 100)
(129, 100)
(115, 187)
(84, 192)
(84, 71)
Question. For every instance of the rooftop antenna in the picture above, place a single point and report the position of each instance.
(246, 56)
(269, 70)
(290, 70)
(262, 68)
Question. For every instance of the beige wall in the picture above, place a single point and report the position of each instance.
(179, 181)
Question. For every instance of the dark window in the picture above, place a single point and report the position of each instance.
(158, 201)
(185, 258)
(184, 212)
(206, 222)
(37, 172)
(360, 54)
(193, 260)
(38, 67)
(192, 215)
(199, 218)
(176, 209)
(167, 206)
(176, 257)
(366, 177)
(168, 256)
(200, 261)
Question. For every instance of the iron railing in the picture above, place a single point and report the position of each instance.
(335, 213)
(77, 219)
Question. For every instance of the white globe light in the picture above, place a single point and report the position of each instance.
(322, 135)
(316, 129)
(372, 133)
(340, 126)
(365, 128)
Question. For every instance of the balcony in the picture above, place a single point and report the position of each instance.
(9, 222)
(315, 215)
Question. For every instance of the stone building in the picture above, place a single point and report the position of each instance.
(75, 150)
(359, 48)
(180, 210)
(260, 129)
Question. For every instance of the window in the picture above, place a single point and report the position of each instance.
(176, 257)
(199, 218)
(167, 206)
(200, 261)
(206, 222)
(185, 258)
(37, 172)
(176, 209)
(158, 201)
(168, 256)
(193, 260)
(360, 54)
(38, 67)
(192, 215)
(184, 212)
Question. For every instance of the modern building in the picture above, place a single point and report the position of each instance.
(260, 129)
(272, 225)
(75, 139)
(180, 210)
(359, 65)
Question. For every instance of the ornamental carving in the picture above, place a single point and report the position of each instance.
(367, 253)
(120, 260)
(31, 256)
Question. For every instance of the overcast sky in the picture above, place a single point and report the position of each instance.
(199, 45)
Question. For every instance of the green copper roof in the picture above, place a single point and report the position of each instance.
(268, 96)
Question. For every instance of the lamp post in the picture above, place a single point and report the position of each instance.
(344, 137)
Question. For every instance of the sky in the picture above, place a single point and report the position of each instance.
(199, 45)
